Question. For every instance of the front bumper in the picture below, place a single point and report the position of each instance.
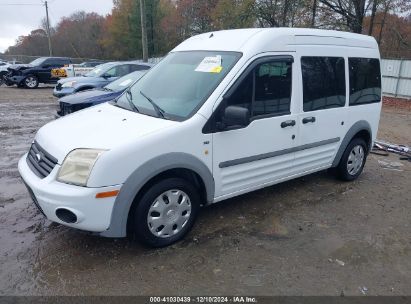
(63, 92)
(50, 195)
(15, 79)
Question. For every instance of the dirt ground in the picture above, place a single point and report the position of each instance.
(310, 236)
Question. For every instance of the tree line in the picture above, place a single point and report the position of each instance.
(118, 35)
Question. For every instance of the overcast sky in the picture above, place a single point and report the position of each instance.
(17, 20)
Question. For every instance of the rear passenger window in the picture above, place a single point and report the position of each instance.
(365, 80)
(323, 82)
(266, 90)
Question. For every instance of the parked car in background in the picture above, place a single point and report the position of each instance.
(36, 72)
(99, 77)
(91, 64)
(81, 100)
(3, 71)
(74, 70)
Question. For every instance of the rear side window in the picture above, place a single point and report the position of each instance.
(365, 81)
(323, 82)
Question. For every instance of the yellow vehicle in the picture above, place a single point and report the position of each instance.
(74, 70)
(58, 73)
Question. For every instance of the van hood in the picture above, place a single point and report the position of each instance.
(101, 127)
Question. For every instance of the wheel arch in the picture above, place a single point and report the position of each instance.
(361, 129)
(173, 164)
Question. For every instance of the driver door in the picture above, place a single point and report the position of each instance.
(261, 153)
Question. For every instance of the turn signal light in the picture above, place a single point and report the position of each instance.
(107, 194)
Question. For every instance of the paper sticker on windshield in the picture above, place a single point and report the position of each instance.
(210, 65)
(125, 83)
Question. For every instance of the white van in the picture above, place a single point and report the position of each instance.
(224, 113)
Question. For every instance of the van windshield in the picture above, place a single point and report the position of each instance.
(177, 86)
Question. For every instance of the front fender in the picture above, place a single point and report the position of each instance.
(134, 183)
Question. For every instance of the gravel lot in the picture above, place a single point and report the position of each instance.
(311, 236)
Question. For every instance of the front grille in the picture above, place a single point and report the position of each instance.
(65, 108)
(68, 108)
(39, 161)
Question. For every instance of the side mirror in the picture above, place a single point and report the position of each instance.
(235, 117)
(106, 76)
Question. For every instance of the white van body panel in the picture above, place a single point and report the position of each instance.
(109, 127)
(177, 138)
(133, 140)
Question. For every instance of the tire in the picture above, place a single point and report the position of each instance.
(31, 82)
(353, 160)
(172, 203)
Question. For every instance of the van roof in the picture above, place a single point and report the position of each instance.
(256, 40)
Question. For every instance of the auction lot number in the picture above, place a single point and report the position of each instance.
(203, 299)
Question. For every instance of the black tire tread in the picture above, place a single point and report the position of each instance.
(140, 227)
(341, 170)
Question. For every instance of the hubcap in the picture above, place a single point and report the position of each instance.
(169, 213)
(355, 160)
(31, 82)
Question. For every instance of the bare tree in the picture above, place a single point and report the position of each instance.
(352, 11)
(373, 12)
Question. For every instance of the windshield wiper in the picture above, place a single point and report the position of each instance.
(129, 97)
(160, 112)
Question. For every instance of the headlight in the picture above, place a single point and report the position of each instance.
(69, 84)
(77, 166)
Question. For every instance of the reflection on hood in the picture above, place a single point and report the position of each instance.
(19, 67)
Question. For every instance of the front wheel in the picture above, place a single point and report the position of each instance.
(31, 82)
(166, 212)
(353, 160)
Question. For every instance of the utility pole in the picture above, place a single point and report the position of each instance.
(48, 28)
(143, 31)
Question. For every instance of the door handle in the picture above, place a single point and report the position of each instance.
(288, 123)
(308, 119)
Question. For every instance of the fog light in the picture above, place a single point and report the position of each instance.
(66, 216)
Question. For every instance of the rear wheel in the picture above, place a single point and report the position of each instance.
(353, 160)
(166, 212)
(31, 82)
